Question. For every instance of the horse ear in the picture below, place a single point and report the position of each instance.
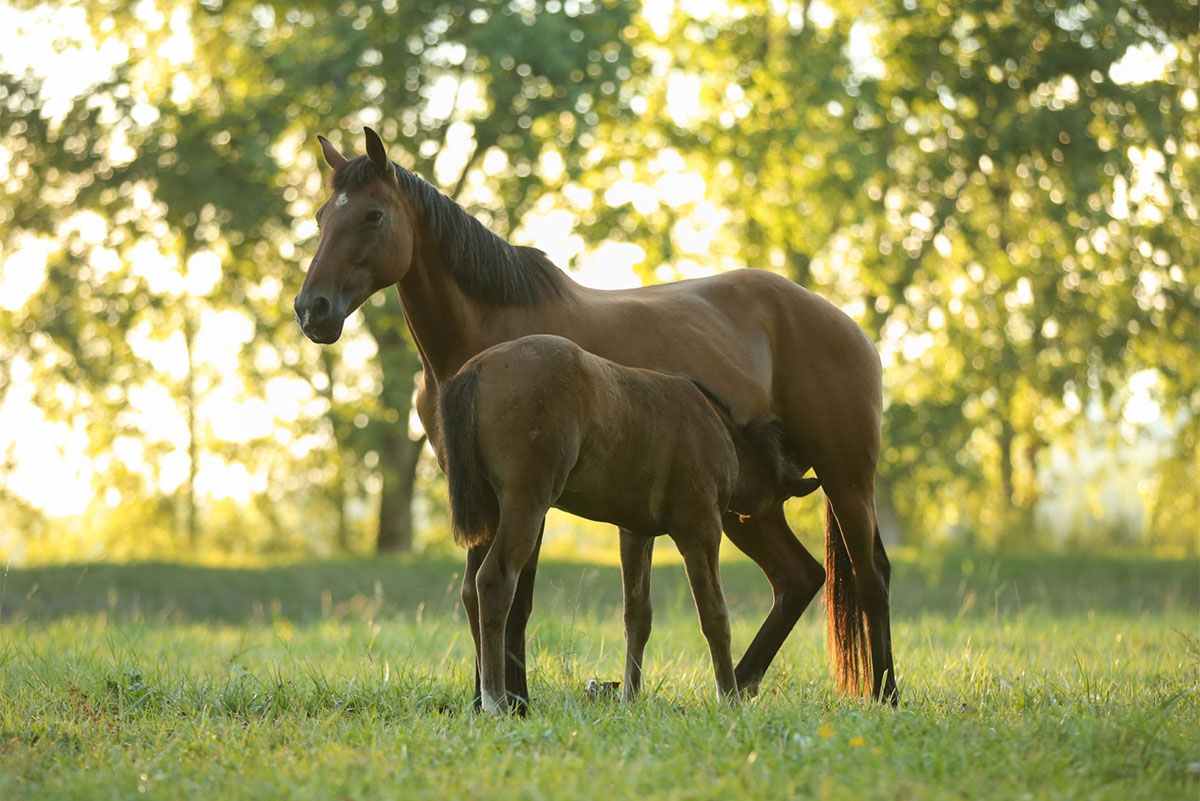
(333, 157)
(377, 153)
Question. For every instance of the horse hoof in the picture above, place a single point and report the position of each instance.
(597, 689)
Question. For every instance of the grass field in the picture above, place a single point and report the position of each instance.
(1022, 677)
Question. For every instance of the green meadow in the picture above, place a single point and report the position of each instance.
(1030, 676)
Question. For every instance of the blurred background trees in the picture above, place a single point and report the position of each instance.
(1003, 195)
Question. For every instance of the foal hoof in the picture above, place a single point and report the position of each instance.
(597, 689)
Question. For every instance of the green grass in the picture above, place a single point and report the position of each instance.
(1022, 677)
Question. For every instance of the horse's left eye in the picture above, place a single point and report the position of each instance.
(375, 217)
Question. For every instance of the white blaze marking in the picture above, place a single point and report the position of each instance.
(342, 200)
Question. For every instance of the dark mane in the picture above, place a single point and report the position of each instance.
(765, 433)
(483, 264)
(717, 402)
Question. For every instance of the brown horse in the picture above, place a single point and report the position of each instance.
(760, 342)
(539, 422)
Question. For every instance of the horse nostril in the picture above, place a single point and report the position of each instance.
(320, 307)
(311, 308)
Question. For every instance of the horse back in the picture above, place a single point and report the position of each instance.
(743, 334)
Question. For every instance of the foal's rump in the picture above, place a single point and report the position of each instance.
(509, 420)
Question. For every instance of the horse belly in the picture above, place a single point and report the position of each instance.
(620, 494)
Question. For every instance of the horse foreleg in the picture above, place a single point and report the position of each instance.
(795, 577)
(636, 552)
(515, 677)
(700, 548)
(516, 537)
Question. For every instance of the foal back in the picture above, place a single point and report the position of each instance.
(550, 424)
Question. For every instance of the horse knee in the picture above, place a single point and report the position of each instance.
(469, 594)
(490, 587)
(812, 577)
(795, 589)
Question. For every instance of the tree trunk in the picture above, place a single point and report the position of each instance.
(1034, 493)
(337, 493)
(342, 526)
(189, 396)
(1006, 461)
(398, 456)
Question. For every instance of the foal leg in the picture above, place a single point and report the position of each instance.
(700, 545)
(795, 577)
(515, 679)
(470, 602)
(636, 550)
(496, 583)
(514, 629)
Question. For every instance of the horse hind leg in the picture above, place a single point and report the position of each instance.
(515, 680)
(636, 551)
(515, 675)
(512, 546)
(859, 605)
(700, 546)
(470, 602)
(795, 578)
(889, 691)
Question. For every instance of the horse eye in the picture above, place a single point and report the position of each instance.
(375, 217)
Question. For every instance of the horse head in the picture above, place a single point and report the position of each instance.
(366, 240)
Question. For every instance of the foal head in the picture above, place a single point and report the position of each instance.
(366, 240)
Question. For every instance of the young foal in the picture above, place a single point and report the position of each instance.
(539, 422)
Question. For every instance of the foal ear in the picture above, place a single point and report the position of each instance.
(333, 157)
(377, 153)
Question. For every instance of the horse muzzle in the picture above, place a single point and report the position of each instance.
(318, 318)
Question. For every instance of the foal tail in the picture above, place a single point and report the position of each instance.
(473, 504)
(849, 650)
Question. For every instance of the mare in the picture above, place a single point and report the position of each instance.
(759, 341)
(539, 422)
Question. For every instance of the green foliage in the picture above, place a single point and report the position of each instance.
(1007, 212)
(220, 148)
(1039, 677)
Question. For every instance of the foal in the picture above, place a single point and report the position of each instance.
(539, 422)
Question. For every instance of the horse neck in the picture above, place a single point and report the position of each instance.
(450, 326)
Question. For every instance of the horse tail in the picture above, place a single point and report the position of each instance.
(849, 650)
(473, 505)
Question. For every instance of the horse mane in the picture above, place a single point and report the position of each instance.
(716, 401)
(481, 262)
